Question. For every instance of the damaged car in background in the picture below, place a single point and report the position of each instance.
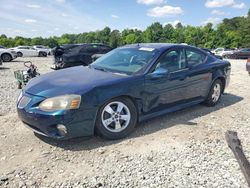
(127, 85)
(77, 54)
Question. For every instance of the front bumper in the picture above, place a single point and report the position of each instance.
(79, 122)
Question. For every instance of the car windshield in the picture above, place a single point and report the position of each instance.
(125, 60)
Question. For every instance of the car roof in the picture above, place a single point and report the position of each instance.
(159, 46)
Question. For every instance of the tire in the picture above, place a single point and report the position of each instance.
(113, 123)
(19, 54)
(40, 54)
(45, 54)
(6, 57)
(214, 94)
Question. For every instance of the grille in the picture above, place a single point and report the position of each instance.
(24, 102)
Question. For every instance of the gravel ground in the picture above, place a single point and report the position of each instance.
(182, 149)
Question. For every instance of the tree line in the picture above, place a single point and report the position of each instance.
(230, 33)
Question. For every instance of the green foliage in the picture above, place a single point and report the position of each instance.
(231, 33)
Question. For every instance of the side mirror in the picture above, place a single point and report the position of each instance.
(159, 73)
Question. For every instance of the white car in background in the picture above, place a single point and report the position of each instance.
(7, 55)
(223, 52)
(25, 51)
(28, 51)
(43, 48)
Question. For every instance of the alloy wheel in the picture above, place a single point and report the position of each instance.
(216, 92)
(115, 116)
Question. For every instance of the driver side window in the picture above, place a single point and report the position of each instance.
(172, 61)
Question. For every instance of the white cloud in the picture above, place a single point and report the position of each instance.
(165, 11)
(219, 3)
(239, 6)
(174, 23)
(115, 16)
(64, 15)
(30, 20)
(33, 6)
(150, 2)
(136, 28)
(48, 17)
(224, 3)
(218, 12)
(61, 1)
(211, 20)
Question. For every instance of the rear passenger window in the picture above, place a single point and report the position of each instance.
(194, 57)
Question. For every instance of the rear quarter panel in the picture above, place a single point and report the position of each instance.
(221, 69)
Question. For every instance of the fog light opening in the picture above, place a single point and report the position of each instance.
(62, 130)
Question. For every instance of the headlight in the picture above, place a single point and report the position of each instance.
(65, 102)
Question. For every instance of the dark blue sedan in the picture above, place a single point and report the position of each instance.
(125, 86)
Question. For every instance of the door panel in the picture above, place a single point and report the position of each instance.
(162, 93)
(199, 76)
(169, 89)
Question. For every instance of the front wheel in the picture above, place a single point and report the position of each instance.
(6, 57)
(214, 94)
(116, 118)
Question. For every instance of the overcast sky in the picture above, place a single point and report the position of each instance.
(55, 17)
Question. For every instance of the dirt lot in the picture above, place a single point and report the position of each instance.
(182, 149)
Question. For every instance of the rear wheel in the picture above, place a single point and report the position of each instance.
(19, 54)
(6, 57)
(214, 94)
(42, 54)
(116, 118)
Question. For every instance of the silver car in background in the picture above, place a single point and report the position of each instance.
(7, 55)
(42, 48)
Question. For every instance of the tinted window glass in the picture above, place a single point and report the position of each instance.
(83, 50)
(104, 49)
(92, 49)
(173, 60)
(194, 57)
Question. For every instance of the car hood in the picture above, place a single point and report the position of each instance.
(75, 80)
